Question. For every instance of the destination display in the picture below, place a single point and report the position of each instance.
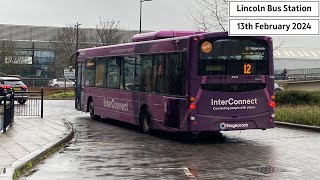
(273, 18)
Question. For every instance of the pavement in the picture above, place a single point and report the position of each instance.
(28, 139)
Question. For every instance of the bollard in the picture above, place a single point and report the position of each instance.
(5, 111)
(41, 102)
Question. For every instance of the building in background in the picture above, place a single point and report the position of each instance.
(296, 58)
(27, 51)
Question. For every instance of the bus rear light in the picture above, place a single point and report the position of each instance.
(273, 97)
(192, 106)
(192, 118)
(272, 104)
(192, 99)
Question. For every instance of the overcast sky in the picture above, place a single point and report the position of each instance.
(156, 15)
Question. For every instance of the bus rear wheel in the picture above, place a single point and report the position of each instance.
(91, 110)
(145, 121)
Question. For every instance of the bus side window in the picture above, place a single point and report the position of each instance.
(137, 74)
(162, 75)
(128, 73)
(146, 73)
(100, 73)
(113, 76)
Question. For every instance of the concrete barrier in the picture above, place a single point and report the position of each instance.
(305, 85)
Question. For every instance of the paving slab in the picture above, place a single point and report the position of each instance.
(29, 138)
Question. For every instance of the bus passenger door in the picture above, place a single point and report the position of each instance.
(79, 87)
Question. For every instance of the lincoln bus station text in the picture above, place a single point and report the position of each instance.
(271, 26)
(270, 8)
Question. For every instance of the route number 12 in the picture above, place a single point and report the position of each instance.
(247, 69)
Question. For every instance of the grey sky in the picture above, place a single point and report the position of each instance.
(156, 15)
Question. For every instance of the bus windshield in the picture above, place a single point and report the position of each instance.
(233, 57)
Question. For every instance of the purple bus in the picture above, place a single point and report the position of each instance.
(180, 81)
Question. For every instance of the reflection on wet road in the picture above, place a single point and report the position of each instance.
(111, 150)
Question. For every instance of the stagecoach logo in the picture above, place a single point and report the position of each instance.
(224, 126)
(113, 104)
(255, 48)
(206, 47)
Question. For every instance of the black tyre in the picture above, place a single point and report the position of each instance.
(56, 85)
(145, 121)
(22, 101)
(91, 110)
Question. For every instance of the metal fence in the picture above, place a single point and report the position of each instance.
(6, 111)
(32, 106)
(312, 73)
(36, 82)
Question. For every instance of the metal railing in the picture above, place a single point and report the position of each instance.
(6, 111)
(312, 73)
(29, 103)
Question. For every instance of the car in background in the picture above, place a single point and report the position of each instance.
(14, 84)
(277, 87)
(61, 83)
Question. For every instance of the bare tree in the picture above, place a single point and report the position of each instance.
(108, 32)
(212, 15)
(64, 41)
(280, 42)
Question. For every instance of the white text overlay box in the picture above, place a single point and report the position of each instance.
(273, 27)
(273, 8)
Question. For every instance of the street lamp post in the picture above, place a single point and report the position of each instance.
(77, 36)
(141, 1)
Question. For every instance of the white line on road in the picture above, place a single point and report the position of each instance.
(188, 173)
(185, 170)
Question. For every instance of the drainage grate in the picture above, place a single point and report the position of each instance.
(268, 169)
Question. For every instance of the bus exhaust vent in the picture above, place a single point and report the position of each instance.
(235, 87)
(268, 169)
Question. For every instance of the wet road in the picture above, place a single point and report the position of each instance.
(102, 150)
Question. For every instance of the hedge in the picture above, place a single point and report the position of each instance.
(296, 97)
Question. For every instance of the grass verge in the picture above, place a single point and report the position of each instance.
(304, 114)
(61, 95)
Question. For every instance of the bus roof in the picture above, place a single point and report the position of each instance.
(163, 34)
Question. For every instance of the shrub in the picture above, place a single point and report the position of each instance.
(298, 97)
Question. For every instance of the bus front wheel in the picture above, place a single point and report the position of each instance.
(91, 110)
(145, 121)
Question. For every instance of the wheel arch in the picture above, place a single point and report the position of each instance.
(90, 99)
(144, 107)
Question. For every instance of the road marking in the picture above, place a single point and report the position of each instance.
(188, 173)
(185, 170)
